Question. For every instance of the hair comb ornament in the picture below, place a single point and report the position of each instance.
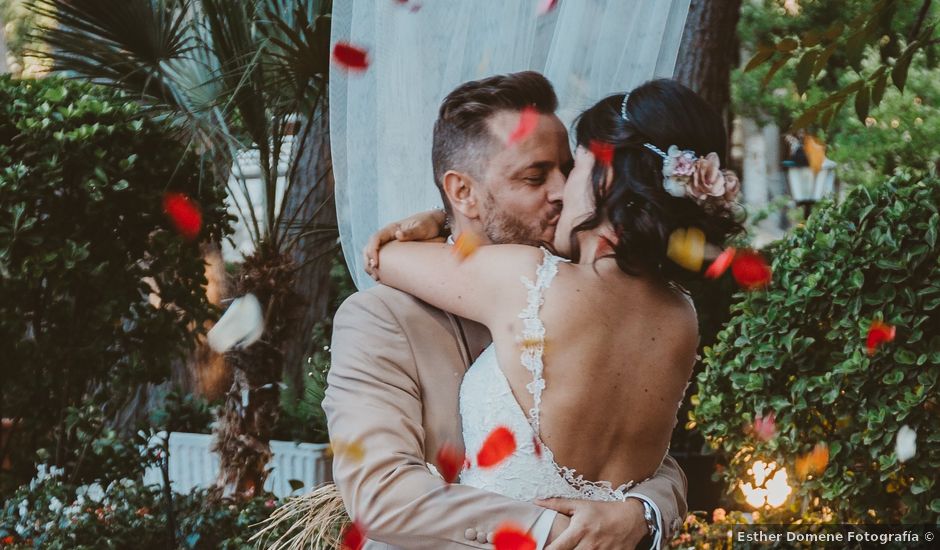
(623, 108)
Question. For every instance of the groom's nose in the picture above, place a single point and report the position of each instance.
(556, 187)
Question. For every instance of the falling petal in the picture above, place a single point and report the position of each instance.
(465, 245)
(750, 270)
(350, 57)
(906, 445)
(499, 445)
(603, 152)
(765, 427)
(687, 248)
(510, 537)
(721, 264)
(353, 537)
(449, 462)
(815, 152)
(813, 462)
(879, 333)
(240, 326)
(528, 120)
(352, 450)
(546, 6)
(184, 213)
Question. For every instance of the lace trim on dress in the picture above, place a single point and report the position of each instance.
(533, 332)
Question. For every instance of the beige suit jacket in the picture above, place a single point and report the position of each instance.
(393, 385)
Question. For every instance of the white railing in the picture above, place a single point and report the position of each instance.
(192, 465)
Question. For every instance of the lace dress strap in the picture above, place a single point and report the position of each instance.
(533, 333)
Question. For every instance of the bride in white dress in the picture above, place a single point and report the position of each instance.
(591, 356)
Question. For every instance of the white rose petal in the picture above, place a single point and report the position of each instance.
(240, 326)
(906, 445)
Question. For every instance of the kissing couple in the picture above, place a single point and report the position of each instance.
(519, 370)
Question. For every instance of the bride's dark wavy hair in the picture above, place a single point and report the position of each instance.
(663, 113)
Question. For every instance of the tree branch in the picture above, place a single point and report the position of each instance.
(921, 17)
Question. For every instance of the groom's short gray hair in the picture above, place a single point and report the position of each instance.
(461, 135)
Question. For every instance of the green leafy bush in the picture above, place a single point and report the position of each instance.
(798, 349)
(54, 515)
(83, 172)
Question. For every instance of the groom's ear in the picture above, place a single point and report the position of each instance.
(460, 191)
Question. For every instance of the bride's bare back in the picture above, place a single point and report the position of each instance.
(619, 352)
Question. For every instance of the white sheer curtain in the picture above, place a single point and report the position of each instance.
(381, 119)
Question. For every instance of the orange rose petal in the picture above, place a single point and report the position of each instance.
(465, 245)
(528, 120)
(511, 537)
(449, 462)
(721, 264)
(687, 248)
(813, 462)
(879, 333)
(499, 446)
(815, 152)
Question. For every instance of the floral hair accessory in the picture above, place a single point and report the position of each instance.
(687, 175)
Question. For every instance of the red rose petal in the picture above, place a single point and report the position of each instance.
(353, 537)
(603, 152)
(878, 334)
(510, 537)
(546, 6)
(750, 270)
(184, 213)
(449, 462)
(721, 264)
(528, 120)
(499, 445)
(351, 57)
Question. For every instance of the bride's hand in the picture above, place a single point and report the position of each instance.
(423, 226)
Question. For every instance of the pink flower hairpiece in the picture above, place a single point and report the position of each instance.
(687, 175)
(701, 178)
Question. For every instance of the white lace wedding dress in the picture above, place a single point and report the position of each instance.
(487, 402)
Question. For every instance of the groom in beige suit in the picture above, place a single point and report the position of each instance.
(397, 363)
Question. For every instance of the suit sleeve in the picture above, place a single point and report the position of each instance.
(666, 491)
(373, 399)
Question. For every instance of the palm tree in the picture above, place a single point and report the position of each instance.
(234, 77)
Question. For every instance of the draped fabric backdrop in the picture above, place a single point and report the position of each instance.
(381, 119)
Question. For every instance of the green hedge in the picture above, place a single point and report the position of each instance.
(82, 175)
(797, 349)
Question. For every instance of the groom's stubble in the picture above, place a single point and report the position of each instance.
(502, 226)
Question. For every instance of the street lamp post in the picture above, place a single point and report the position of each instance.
(806, 187)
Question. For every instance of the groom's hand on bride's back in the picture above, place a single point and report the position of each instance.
(423, 226)
(596, 525)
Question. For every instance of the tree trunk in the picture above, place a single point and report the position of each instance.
(311, 202)
(709, 51)
(252, 405)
